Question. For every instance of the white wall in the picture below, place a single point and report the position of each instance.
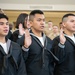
(70, 2)
(47, 5)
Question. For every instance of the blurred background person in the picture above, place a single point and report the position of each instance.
(11, 25)
(21, 25)
(54, 33)
(48, 28)
(60, 25)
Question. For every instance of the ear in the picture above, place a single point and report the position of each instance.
(63, 23)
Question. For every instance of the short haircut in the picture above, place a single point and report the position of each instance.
(49, 21)
(55, 25)
(21, 19)
(3, 16)
(32, 14)
(64, 18)
(60, 23)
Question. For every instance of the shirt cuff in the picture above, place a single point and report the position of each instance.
(61, 45)
(25, 49)
(19, 36)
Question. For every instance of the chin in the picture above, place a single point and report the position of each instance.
(41, 30)
(5, 34)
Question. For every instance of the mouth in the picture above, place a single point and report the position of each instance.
(6, 31)
(42, 26)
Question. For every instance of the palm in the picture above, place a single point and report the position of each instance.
(27, 40)
(21, 29)
(62, 38)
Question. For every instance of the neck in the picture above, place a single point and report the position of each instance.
(37, 33)
(2, 39)
(69, 33)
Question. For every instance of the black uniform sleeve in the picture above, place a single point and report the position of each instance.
(58, 50)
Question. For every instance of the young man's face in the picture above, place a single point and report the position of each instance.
(4, 27)
(69, 25)
(38, 23)
(50, 24)
(55, 29)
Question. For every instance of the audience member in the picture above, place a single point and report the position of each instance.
(54, 33)
(48, 29)
(21, 25)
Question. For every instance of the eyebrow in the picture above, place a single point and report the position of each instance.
(4, 22)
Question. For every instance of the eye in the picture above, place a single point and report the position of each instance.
(72, 21)
(44, 20)
(38, 19)
(7, 23)
(1, 23)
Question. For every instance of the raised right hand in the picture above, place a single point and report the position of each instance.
(62, 37)
(27, 40)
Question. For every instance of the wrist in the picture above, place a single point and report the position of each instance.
(19, 36)
(25, 46)
(25, 49)
(61, 43)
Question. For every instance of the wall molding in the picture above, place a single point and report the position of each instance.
(44, 7)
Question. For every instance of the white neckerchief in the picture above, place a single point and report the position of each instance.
(71, 37)
(4, 45)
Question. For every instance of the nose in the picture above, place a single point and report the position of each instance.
(6, 25)
(43, 22)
